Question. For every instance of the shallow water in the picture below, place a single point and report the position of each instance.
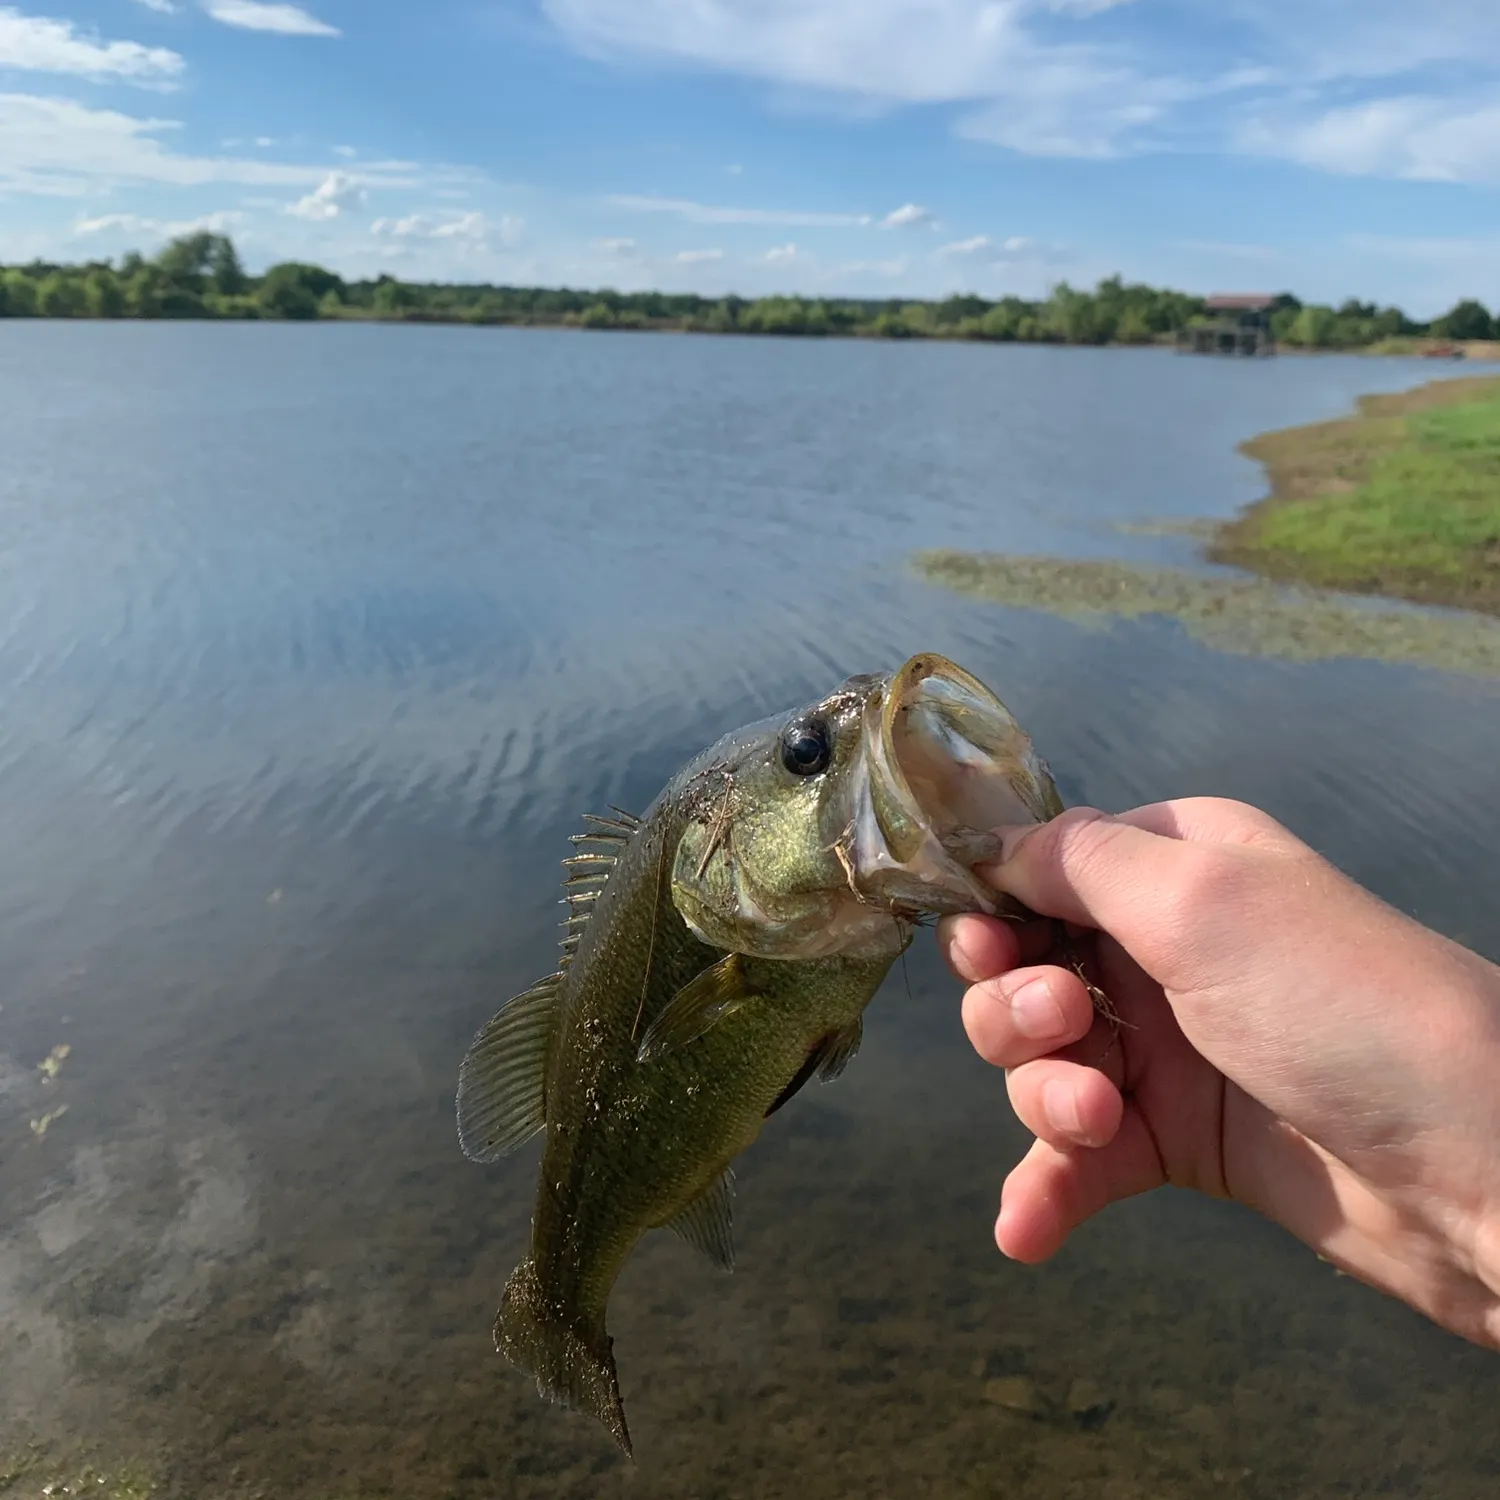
(314, 643)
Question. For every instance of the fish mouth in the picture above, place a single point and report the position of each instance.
(945, 763)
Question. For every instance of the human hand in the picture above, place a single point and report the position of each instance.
(1285, 1039)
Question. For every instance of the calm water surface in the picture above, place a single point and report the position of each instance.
(314, 644)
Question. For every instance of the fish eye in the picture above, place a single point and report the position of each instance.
(806, 747)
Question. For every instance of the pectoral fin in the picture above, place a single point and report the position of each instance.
(707, 1223)
(717, 992)
(837, 1050)
(501, 1085)
(828, 1058)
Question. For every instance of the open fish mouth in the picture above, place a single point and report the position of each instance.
(945, 763)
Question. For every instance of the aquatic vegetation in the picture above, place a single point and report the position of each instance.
(1247, 617)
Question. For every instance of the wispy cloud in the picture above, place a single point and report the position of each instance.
(781, 254)
(1425, 139)
(909, 216)
(1014, 251)
(221, 222)
(697, 257)
(41, 45)
(705, 213)
(338, 193)
(616, 245)
(260, 15)
(472, 228)
(60, 148)
(162, 7)
(1374, 87)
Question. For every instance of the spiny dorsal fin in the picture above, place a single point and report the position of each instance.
(592, 868)
(502, 1083)
(707, 1223)
(717, 992)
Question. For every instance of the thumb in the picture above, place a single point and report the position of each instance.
(1089, 868)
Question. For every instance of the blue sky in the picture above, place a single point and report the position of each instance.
(878, 147)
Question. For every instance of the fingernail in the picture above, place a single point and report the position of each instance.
(1034, 1011)
(1059, 1105)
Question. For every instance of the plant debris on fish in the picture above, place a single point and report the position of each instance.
(720, 951)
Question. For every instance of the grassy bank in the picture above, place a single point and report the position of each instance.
(1400, 500)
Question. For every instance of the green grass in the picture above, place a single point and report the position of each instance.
(1402, 500)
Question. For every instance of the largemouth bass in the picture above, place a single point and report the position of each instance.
(720, 952)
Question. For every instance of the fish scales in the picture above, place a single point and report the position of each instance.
(744, 926)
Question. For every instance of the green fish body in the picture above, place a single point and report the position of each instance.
(722, 951)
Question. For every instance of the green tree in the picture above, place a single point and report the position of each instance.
(102, 294)
(60, 296)
(1134, 327)
(143, 292)
(224, 268)
(1314, 327)
(1468, 320)
(294, 289)
(393, 298)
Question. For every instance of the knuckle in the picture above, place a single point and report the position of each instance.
(1084, 841)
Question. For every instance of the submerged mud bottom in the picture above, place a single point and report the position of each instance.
(254, 1337)
(1248, 617)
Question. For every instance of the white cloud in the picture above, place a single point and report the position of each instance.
(258, 15)
(347, 152)
(38, 44)
(336, 194)
(734, 169)
(980, 247)
(162, 7)
(617, 245)
(60, 148)
(1336, 84)
(908, 216)
(697, 257)
(913, 50)
(1434, 140)
(782, 253)
(474, 229)
(704, 213)
(222, 222)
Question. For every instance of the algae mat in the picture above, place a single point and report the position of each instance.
(1245, 616)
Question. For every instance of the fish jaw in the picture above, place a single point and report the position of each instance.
(944, 764)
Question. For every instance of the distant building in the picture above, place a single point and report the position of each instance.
(1232, 323)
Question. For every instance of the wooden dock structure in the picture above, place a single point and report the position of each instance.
(1233, 323)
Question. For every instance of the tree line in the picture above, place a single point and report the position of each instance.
(200, 276)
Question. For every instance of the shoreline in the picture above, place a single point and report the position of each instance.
(1368, 515)
(1400, 500)
(1444, 351)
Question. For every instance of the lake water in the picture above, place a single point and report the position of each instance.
(315, 642)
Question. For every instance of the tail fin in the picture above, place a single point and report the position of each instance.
(572, 1362)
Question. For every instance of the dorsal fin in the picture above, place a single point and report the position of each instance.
(502, 1083)
(589, 869)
